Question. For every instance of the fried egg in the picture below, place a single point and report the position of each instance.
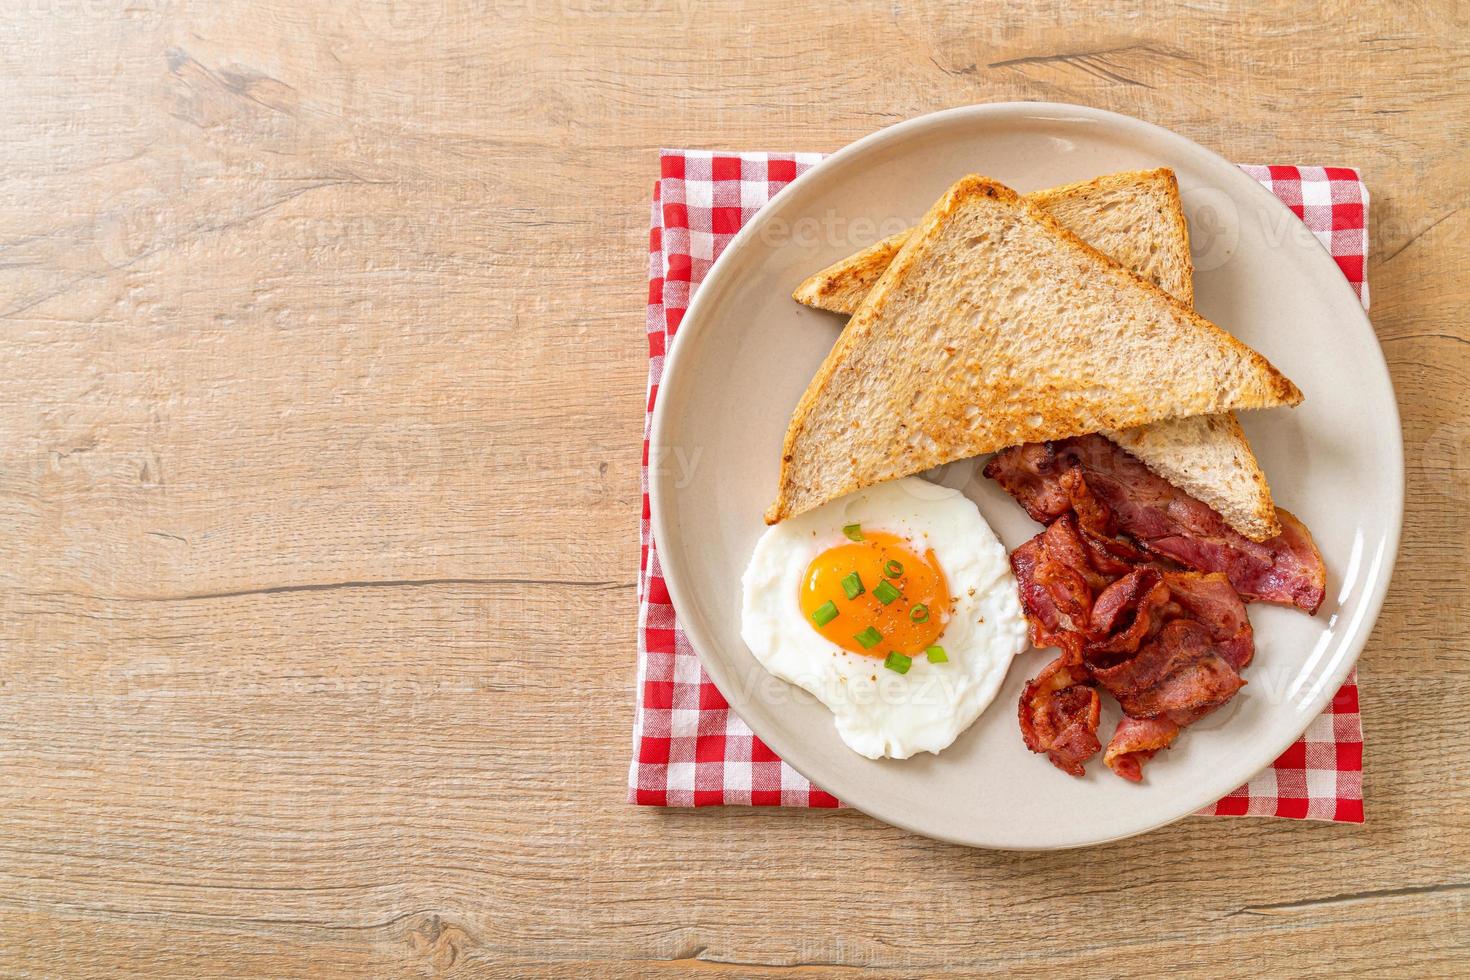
(894, 606)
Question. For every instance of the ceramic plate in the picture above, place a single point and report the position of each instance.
(745, 352)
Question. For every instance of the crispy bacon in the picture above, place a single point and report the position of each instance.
(1112, 554)
(1064, 543)
(1029, 473)
(1059, 710)
(1091, 512)
(1287, 569)
(1211, 601)
(1135, 741)
(1168, 645)
(1055, 596)
(1124, 615)
(1179, 674)
(1051, 479)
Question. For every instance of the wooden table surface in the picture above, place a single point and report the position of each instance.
(323, 348)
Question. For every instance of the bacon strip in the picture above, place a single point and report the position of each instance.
(1287, 569)
(1056, 597)
(1059, 711)
(1135, 741)
(1178, 674)
(1211, 601)
(1124, 615)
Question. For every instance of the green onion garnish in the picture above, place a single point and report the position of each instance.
(893, 569)
(853, 585)
(869, 638)
(885, 592)
(898, 663)
(825, 613)
(936, 655)
(854, 532)
(920, 613)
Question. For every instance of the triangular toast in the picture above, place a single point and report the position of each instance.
(994, 325)
(1136, 219)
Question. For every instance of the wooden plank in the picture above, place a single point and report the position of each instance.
(318, 489)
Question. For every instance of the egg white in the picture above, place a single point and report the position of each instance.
(879, 712)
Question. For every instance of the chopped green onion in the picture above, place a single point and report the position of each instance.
(853, 585)
(937, 655)
(885, 592)
(854, 532)
(893, 569)
(825, 613)
(920, 613)
(898, 663)
(869, 638)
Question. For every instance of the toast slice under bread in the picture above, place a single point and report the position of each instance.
(1136, 219)
(1133, 217)
(1208, 457)
(992, 326)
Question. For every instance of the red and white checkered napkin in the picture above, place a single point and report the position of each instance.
(689, 748)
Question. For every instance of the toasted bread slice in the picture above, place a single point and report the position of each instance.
(994, 325)
(1133, 217)
(1208, 457)
(843, 285)
(1136, 219)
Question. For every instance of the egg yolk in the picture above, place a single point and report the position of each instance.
(908, 623)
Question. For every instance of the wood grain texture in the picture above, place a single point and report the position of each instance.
(322, 336)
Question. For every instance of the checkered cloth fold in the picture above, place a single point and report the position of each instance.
(689, 747)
